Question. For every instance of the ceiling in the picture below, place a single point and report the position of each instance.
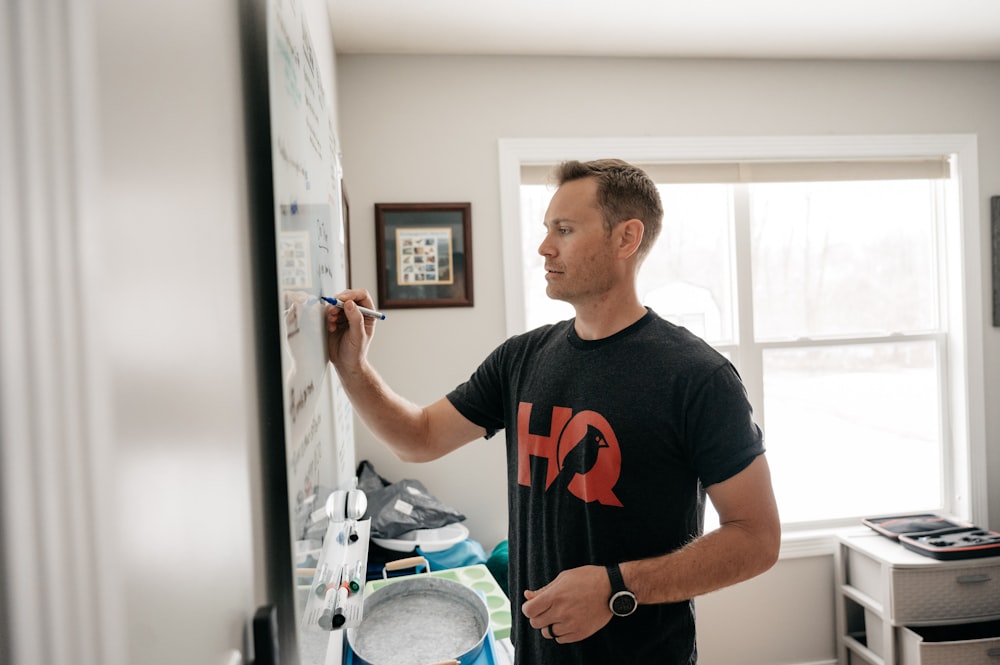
(852, 29)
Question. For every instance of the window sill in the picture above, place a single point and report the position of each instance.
(801, 543)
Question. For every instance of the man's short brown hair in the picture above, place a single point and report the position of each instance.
(624, 192)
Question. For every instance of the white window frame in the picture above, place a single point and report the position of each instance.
(965, 495)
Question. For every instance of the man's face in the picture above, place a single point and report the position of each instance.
(579, 258)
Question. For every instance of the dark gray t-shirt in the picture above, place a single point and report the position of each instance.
(610, 444)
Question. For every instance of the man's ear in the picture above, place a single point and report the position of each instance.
(629, 237)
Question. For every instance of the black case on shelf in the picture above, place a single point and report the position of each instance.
(895, 526)
(936, 536)
(967, 543)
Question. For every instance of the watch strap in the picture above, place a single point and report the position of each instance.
(622, 602)
(617, 581)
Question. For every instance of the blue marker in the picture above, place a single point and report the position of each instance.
(364, 310)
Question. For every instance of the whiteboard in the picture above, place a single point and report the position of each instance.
(300, 253)
(311, 258)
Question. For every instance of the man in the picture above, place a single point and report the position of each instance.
(617, 422)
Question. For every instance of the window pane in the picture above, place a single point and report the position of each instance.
(688, 276)
(843, 258)
(539, 309)
(853, 430)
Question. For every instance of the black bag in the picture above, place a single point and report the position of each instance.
(396, 508)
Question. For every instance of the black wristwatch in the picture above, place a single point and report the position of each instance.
(622, 601)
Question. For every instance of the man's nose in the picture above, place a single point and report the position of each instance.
(545, 248)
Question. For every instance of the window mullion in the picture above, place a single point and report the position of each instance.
(749, 357)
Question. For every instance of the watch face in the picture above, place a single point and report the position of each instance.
(623, 603)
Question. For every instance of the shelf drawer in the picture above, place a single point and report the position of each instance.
(864, 573)
(965, 644)
(945, 594)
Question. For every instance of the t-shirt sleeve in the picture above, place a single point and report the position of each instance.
(720, 427)
(481, 398)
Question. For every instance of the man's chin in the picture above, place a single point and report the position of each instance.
(553, 293)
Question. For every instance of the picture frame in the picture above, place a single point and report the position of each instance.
(424, 255)
(346, 209)
(995, 241)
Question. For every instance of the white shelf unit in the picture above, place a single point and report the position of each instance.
(884, 588)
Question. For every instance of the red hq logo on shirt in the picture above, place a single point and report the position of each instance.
(583, 441)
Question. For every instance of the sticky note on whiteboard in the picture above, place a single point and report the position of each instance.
(294, 260)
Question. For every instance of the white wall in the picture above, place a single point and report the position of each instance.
(174, 318)
(425, 129)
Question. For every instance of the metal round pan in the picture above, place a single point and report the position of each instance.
(421, 620)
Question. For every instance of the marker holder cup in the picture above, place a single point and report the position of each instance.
(336, 594)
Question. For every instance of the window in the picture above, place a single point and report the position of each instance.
(839, 299)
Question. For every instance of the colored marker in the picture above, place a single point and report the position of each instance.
(323, 577)
(329, 605)
(348, 534)
(340, 609)
(364, 310)
(356, 580)
(333, 615)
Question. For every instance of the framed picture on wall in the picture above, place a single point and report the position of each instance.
(424, 254)
(347, 232)
(995, 239)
